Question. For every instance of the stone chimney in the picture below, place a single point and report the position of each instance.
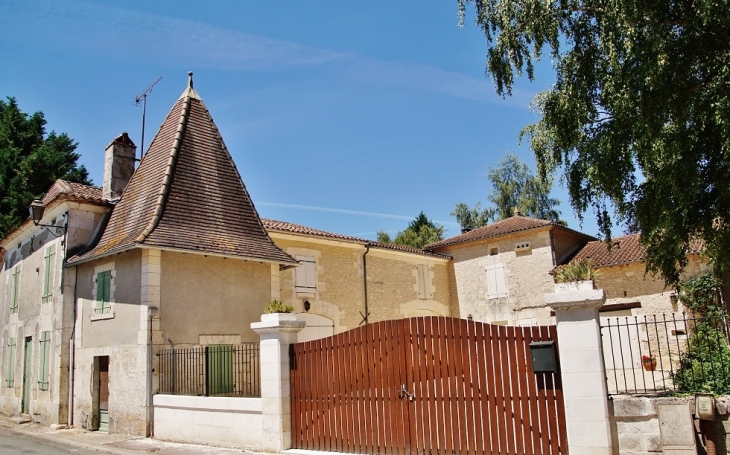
(119, 158)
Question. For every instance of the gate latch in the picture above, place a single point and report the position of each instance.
(403, 392)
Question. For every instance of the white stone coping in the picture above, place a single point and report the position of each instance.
(278, 322)
(225, 404)
(101, 316)
(573, 299)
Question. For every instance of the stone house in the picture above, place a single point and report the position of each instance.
(622, 274)
(174, 254)
(502, 270)
(36, 315)
(182, 259)
(342, 278)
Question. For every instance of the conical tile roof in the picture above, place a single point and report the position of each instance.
(188, 195)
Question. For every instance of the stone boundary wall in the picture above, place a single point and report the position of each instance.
(206, 420)
(635, 423)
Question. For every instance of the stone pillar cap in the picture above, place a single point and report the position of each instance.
(278, 323)
(575, 299)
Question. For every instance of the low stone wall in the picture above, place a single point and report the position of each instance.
(635, 424)
(209, 420)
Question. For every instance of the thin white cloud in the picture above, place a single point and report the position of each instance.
(162, 40)
(429, 78)
(314, 208)
(333, 210)
(131, 35)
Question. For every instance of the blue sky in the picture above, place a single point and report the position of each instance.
(343, 116)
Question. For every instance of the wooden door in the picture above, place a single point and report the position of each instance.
(103, 391)
(27, 372)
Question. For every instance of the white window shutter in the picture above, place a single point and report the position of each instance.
(305, 274)
(301, 276)
(420, 282)
(496, 283)
(309, 269)
(501, 281)
(491, 282)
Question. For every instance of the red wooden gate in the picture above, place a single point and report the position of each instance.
(427, 385)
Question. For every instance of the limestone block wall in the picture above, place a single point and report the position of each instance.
(393, 286)
(209, 295)
(122, 324)
(127, 388)
(630, 283)
(392, 282)
(338, 275)
(32, 318)
(114, 334)
(526, 274)
(209, 420)
(635, 423)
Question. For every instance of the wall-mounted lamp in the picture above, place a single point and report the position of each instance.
(307, 305)
(36, 214)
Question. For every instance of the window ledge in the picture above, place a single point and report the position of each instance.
(102, 316)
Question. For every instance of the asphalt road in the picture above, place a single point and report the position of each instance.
(12, 443)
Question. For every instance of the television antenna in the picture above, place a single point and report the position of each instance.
(142, 98)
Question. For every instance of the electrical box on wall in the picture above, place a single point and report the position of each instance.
(542, 354)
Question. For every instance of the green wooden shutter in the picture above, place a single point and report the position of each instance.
(103, 287)
(45, 360)
(220, 369)
(14, 291)
(48, 257)
(10, 371)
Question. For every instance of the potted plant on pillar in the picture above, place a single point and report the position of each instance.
(276, 310)
(649, 362)
(574, 276)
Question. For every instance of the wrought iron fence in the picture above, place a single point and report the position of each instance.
(675, 352)
(216, 370)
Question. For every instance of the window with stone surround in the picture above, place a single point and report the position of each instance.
(14, 289)
(104, 277)
(48, 268)
(496, 281)
(423, 281)
(305, 275)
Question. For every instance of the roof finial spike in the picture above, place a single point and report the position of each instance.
(516, 211)
(190, 79)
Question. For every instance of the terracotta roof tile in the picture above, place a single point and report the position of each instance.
(75, 191)
(283, 226)
(63, 190)
(624, 250)
(507, 226)
(187, 194)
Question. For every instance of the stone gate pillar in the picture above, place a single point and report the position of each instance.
(277, 332)
(581, 367)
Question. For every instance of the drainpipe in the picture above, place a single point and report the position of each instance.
(72, 356)
(365, 316)
(150, 369)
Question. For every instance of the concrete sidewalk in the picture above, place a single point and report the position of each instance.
(112, 443)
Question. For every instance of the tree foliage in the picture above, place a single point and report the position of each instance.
(419, 233)
(513, 186)
(30, 161)
(474, 217)
(638, 117)
(705, 362)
